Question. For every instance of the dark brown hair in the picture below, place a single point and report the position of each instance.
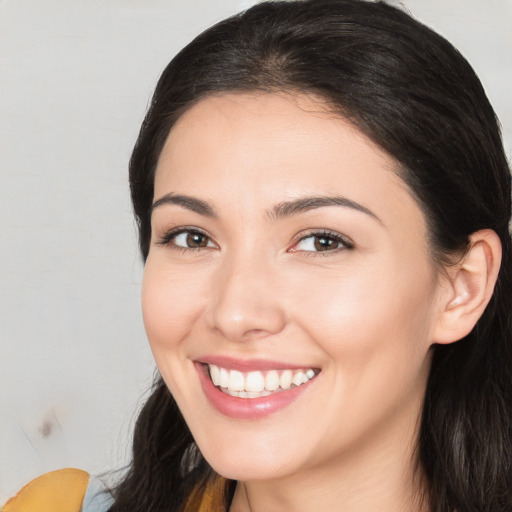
(415, 96)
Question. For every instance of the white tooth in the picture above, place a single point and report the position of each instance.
(231, 393)
(214, 374)
(286, 379)
(298, 378)
(265, 393)
(254, 381)
(272, 381)
(236, 380)
(310, 373)
(223, 378)
(253, 394)
(243, 394)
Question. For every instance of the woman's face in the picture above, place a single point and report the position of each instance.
(285, 248)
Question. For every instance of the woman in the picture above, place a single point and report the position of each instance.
(323, 203)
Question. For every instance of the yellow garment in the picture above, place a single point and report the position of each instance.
(208, 498)
(57, 491)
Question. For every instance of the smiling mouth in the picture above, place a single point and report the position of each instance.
(255, 384)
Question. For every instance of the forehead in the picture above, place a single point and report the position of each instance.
(276, 147)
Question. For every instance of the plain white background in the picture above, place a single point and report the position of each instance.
(76, 77)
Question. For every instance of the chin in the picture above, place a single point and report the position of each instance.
(249, 462)
(249, 471)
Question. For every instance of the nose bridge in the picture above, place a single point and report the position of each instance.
(244, 303)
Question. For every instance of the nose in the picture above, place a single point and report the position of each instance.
(246, 304)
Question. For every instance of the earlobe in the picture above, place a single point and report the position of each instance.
(469, 287)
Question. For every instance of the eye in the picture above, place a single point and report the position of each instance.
(192, 240)
(186, 238)
(325, 241)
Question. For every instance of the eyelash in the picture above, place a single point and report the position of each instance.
(346, 243)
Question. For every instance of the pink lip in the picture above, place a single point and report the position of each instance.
(247, 408)
(246, 365)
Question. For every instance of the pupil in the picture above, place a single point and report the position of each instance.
(324, 244)
(196, 240)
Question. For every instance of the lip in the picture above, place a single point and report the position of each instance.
(247, 365)
(248, 408)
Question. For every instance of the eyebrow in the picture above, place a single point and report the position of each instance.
(304, 204)
(190, 203)
(280, 210)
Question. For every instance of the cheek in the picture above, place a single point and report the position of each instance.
(170, 305)
(376, 310)
(373, 328)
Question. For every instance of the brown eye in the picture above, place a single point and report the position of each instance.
(196, 240)
(188, 239)
(323, 243)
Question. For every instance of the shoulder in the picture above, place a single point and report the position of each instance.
(64, 490)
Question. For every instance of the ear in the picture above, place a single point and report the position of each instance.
(468, 288)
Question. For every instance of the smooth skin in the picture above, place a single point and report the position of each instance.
(350, 288)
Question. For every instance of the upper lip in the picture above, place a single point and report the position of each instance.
(244, 365)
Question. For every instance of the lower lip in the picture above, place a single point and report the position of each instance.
(247, 408)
